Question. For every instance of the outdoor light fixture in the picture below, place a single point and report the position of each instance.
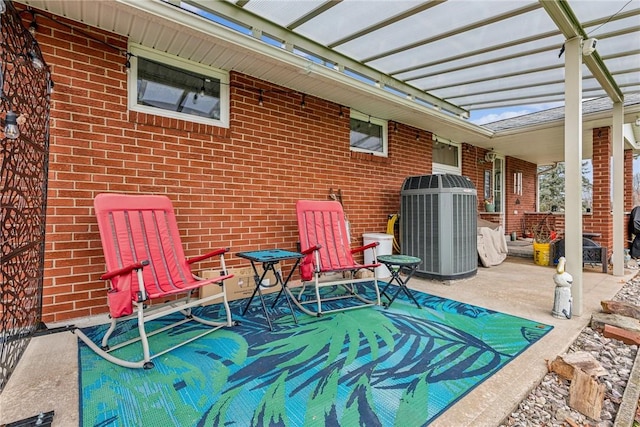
(11, 129)
(37, 62)
(341, 113)
(260, 99)
(490, 156)
(303, 103)
(127, 62)
(33, 27)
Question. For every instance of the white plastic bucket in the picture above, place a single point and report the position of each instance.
(384, 248)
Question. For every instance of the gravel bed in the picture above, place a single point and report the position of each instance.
(548, 403)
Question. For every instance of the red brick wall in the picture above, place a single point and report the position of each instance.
(600, 220)
(474, 166)
(233, 187)
(628, 180)
(517, 205)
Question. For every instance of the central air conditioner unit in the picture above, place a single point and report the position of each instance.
(438, 224)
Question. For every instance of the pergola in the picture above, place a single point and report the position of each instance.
(426, 64)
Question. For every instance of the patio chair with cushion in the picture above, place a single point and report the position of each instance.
(329, 262)
(145, 262)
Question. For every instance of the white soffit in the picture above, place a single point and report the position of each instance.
(440, 58)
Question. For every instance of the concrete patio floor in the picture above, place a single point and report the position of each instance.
(46, 378)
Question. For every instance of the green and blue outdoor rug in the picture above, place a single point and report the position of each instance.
(400, 366)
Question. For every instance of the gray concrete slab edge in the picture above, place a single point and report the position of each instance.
(627, 409)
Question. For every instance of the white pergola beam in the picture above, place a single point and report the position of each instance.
(566, 21)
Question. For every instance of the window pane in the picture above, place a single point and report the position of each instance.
(173, 89)
(445, 154)
(366, 136)
(497, 183)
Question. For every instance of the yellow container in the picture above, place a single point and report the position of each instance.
(541, 253)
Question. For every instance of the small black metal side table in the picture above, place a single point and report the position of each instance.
(269, 259)
(400, 264)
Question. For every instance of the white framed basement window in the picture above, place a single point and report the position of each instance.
(169, 86)
(447, 156)
(368, 134)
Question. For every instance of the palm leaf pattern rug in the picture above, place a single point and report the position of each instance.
(400, 366)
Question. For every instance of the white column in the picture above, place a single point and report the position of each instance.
(618, 189)
(573, 167)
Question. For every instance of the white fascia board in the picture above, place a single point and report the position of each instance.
(259, 25)
(207, 28)
(629, 137)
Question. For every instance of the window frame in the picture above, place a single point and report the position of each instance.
(498, 183)
(187, 66)
(374, 121)
(437, 168)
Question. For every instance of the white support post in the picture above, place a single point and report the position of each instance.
(573, 167)
(618, 189)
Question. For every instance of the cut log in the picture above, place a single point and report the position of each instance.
(598, 320)
(565, 365)
(620, 307)
(586, 395)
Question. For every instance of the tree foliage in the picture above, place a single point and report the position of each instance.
(551, 187)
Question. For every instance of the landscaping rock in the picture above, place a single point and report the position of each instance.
(548, 403)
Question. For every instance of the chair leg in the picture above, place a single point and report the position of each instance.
(105, 338)
(146, 356)
(350, 286)
(105, 355)
(317, 283)
(142, 318)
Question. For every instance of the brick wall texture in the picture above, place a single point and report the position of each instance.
(234, 187)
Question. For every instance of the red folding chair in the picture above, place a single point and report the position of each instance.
(329, 260)
(145, 262)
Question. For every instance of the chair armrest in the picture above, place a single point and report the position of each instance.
(220, 251)
(311, 250)
(124, 270)
(365, 247)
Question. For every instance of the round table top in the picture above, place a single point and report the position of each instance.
(399, 259)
